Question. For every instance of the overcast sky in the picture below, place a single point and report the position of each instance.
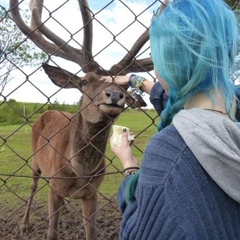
(115, 17)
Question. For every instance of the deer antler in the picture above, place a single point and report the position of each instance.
(34, 34)
(129, 63)
(88, 32)
(51, 43)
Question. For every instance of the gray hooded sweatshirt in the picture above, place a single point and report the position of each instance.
(215, 141)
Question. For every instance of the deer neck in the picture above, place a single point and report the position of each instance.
(90, 140)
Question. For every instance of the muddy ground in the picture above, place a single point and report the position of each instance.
(70, 225)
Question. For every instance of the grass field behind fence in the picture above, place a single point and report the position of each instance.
(15, 159)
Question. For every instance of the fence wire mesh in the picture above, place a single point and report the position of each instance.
(19, 81)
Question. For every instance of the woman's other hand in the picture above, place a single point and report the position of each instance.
(124, 152)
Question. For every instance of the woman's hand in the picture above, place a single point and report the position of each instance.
(124, 81)
(124, 152)
(120, 80)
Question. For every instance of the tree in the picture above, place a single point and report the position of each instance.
(235, 4)
(16, 50)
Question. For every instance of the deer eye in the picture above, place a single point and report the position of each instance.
(83, 83)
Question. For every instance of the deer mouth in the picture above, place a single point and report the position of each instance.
(105, 105)
(112, 110)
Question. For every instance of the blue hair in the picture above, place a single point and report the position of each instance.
(193, 47)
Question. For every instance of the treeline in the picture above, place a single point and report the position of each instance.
(13, 112)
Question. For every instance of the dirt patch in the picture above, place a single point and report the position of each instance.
(70, 225)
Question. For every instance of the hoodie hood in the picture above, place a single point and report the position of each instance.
(215, 141)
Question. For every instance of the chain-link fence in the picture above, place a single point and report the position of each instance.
(68, 148)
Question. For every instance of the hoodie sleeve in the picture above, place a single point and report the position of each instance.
(158, 97)
(238, 106)
(121, 194)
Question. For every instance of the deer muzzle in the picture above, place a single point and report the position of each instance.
(114, 98)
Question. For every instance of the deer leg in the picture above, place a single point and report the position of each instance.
(25, 220)
(56, 203)
(89, 208)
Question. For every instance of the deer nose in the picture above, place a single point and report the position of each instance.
(114, 96)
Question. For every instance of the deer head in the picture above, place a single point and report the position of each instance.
(100, 99)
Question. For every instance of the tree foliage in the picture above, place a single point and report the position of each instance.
(16, 50)
(235, 4)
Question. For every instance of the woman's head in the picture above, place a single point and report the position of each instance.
(193, 46)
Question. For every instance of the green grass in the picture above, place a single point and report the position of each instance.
(15, 159)
(15, 171)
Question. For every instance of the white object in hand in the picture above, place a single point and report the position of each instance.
(117, 135)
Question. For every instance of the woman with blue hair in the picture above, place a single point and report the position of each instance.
(188, 186)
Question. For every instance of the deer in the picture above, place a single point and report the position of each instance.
(68, 149)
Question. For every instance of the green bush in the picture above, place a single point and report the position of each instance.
(13, 112)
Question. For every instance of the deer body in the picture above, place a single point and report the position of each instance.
(67, 141)
(69, 149)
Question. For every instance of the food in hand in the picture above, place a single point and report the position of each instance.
(117, 135)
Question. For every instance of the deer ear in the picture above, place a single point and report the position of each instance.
(60, 77)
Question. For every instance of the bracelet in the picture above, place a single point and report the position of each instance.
(136, 81)
(130, 170)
